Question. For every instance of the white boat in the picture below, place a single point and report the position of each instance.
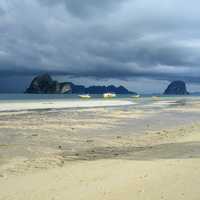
(136, 96)
(85, 96)
(109, 95)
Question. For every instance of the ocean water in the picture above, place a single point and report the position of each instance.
(157, 113)
(22, 96)
(39, 97)
(145, 102)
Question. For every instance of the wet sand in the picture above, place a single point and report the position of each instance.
(101, 153)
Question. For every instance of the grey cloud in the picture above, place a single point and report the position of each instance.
(2, 12)
(101, 39)
(85, 8)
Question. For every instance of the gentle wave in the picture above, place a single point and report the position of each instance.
(59, 104)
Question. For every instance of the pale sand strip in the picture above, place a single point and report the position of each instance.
(109, 180)
(170, 171)
(62, 104)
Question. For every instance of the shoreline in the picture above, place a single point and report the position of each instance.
(61, 104)
(98, 153)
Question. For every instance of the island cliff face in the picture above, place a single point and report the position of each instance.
(44, 84)
(176, 88)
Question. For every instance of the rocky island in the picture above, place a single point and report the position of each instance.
(44, 84)
(176, 88)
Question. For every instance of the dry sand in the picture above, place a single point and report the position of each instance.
(109, 179)
(159, 164)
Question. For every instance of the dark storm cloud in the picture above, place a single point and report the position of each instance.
(2, 12)
(85, 8)
(101, 39)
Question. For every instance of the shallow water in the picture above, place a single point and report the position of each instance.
(145, 102)
(40, 132)
(157, 114)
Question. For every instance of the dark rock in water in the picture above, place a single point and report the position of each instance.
(44, 84)
(80, 89)
(176, 88)
(77, 89)
(110, 88)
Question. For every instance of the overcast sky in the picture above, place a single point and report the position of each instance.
(142, 44)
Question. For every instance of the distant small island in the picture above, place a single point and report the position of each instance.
(176, 88)
(44, 84)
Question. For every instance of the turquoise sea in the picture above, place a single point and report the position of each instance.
(143, 101)
(22, 96)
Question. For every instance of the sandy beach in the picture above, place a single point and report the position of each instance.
(99, 100)
(148, 152)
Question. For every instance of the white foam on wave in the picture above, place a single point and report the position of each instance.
(160, 104)
(164, 103)
(59, 104)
